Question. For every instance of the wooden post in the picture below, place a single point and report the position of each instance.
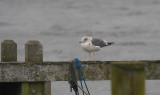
(47, 88)
(8, 51)
(34, 54)
(25, 88)
(128, 78)
(8, 54)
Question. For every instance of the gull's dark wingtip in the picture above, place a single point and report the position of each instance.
(110, 43)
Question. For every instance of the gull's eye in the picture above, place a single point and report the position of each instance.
(85, 39)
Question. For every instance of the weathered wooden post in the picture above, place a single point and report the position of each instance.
(8, 54)
(34, 54)
(8, 51)
(128, 78)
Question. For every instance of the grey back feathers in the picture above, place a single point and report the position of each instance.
(101, 43)
(98, 42)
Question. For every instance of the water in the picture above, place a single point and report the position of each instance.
(101, 87)
(59, 25)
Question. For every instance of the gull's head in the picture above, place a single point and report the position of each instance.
(85, 39)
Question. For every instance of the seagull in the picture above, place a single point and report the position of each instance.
(90, 44)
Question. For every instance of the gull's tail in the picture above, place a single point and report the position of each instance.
(109, 43)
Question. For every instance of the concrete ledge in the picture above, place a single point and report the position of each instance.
(59, 71)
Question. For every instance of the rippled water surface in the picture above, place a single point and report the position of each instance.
(59, 24)
(102, 87)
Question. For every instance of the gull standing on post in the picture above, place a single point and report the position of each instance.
(90, 44)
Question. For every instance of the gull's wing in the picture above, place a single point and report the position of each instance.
(99, 42)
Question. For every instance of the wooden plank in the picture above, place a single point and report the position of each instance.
(58, 71)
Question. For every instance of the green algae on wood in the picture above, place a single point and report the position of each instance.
(128, 78)
(8, 51)
(47, 88)
(25, 88)
(32, 88)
